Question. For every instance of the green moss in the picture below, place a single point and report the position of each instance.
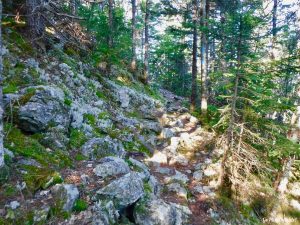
(147, 188)
(29, 147)
(77, 138)
(40, 178)
(80, 157)
(68, 102)
(90, 118)
(10, 88)
(80, 205)
(136, 146)
(70, 51)
(103, 116)
(101, 95)
(19, 43)
(10, 190)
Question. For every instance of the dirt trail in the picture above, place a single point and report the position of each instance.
(180, 160)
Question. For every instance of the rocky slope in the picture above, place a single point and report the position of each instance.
(85, 149)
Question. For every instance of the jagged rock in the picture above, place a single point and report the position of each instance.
(212, 170)
(101, 147)
(198, 189)
(44, 108)
(167, 133)
(158, 212)
(179, 159)
(158, 158)
(150, 125)
(14, 205)
(111, 166)
(198, 175)
(294, 189)
(295, 204)
(56, 138)
(104, 213)
(41, 215)
(155, 186)
(9, 153)
(177, 177)
(29, 162)
(67, 194)
(145, 174)
(178, 189)
(132, 100)
(124, 191)
(164, 170)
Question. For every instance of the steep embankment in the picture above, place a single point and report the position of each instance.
(83, 149)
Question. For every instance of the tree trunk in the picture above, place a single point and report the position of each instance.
(1, 94)
(204, 43)
(134, 38)
(274, 28)
(194, 62)
(111, 29)
(74, 6)
(230, 132)
(110, 22)
(146, 44)
(35, 20)
(285, 175)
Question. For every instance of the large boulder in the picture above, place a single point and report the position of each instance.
(132, 100)
(101, 147)
(123, 191)
(42, 107)
(65, 194)
(157, 212)
(111, 166)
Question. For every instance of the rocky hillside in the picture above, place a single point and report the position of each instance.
(79, 147)
(85, 149)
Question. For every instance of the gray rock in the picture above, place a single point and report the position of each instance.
(9, 153)
(164, 170)
(198, 175)
(14, 205)
(158, 212)
(44, 109)
(101, 147)
(167, 133)
(56, 138)
(177, 177)
(67, 194)
(145, 170)
(178, 189)
(124, 191)
(41, 215)
(29, 162)
(111, 166)
(155, 186)
(104, 213)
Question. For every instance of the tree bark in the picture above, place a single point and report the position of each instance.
(1, 94)
(74, 6)
(274, 28)
(204, 43)
(111, 29)
(134, 38)
(110, 22)
(194, 62)
(35, 20)
(146, 44)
